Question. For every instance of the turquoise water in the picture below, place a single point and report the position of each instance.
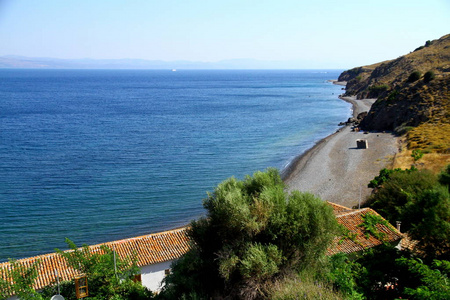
(99, 155)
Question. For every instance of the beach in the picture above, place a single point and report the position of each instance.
(335, 169)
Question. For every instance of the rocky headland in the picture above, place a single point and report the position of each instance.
(398, 105)
(410, 90)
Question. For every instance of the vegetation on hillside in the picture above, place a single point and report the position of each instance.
(434, 57)
(413, 101)
(412, 94)
(420, 200)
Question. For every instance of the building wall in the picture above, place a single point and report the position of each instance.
(153, 275)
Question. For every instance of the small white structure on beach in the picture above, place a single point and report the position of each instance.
(362, 144)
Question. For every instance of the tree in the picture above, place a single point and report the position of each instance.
(433, 280)
(444, 177)
(421, 203)
(254, 232)
(21, 281)
(430, 222)
(377, 268)
(399, 189)
(109, 276)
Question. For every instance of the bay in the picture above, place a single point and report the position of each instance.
(100, 155)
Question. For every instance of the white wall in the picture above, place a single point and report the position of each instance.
(152, 275)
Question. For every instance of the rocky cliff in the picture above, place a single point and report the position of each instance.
(411, 90)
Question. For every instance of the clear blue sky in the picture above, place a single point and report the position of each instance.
(310, 33)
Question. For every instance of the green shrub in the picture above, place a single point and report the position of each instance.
(444, 177)
(429, 218)
(379, 88)
(403, 129)
(428, 76)
(433, 279)
(21, 281)
(385, 174)
(254, 233)
(421, 203)
(399, 188)
(109, 276)
(305, 288)
(392, 96)
(417, 154)
(342, 275)
(414, 76)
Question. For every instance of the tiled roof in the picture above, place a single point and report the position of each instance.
(408, 243)
(338, 209)
(352, 220)
(149, 249)
(169, 245)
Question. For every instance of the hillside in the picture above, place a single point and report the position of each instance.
(412, 94)
(368, 81)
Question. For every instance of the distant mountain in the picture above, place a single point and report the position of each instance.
(21, 62)
(412, 91)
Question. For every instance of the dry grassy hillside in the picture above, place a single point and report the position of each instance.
(374, 80)
(413, 97)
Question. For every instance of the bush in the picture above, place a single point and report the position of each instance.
(342, 274)
(392, 96)
(433, 279)
(428, 76)
(109, 277)
(417, 154)
(421, 203)
(429, 218)
(414, 76)
(21, 281)
(444, 177)
(303, 287)
(378, 89)
(400, 188)
(254, 233)
(384, 176)
(377, 268)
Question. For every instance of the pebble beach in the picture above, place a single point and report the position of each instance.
(336, 170)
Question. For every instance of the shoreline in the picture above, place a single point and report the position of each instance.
(335, 169)
(301, 160)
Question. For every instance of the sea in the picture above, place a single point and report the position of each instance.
(102, 155)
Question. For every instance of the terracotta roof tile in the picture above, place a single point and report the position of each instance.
(149, 249)
(408, 243)
(337, 209)
(169, 245)
(352, 221)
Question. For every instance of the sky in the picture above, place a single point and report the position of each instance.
(337, 34)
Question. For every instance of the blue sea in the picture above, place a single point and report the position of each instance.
(101, 155)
